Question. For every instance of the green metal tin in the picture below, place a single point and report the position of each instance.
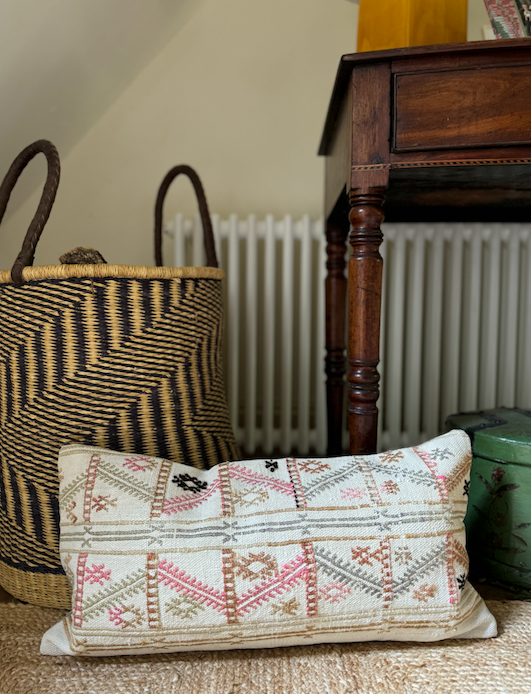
(498, 519)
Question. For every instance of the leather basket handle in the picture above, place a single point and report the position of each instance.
(210, 247)
(26, 255)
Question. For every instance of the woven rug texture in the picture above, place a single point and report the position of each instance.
(501, 665)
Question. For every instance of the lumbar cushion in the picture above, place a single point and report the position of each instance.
(265, 552)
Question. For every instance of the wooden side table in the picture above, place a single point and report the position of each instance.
(432, 133)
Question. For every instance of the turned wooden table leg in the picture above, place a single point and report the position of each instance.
(336, 291)
(365, 292)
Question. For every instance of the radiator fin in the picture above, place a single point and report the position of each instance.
(456, 326)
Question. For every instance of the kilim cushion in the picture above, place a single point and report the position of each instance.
(265, 552)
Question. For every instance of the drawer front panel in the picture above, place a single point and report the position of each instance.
(462, 108)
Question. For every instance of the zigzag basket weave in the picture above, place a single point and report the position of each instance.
(121, 357)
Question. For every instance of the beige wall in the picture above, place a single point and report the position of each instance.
(477, 17)
(240, 93)
(63, 63)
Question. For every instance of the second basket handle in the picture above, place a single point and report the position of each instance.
(210, 247)
(25, 257)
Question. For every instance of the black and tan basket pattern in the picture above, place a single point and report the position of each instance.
(126, 363)
(119, 357)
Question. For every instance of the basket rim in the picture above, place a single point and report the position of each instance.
(57, 272)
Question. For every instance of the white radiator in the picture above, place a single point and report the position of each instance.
(274, 330)
(456, 326)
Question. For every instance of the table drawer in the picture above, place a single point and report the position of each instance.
(462, 108)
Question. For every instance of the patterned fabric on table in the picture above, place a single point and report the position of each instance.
(510, 19)
(265, 552)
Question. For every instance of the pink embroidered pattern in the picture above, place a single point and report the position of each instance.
(179, 580)
(97, 574)
(353, 493)
(115, 615)
(179, 504)
(334, 592)
(242, 474)
(289, 575)
(125, 616)
(135, 463)
(432, 467)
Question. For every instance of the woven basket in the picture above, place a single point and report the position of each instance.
(121, 357)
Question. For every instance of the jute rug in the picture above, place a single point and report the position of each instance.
(500, 665)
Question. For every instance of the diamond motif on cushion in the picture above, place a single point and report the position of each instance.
(124, 616)
(353, 493)
(184, 606)
(255, 566)
(250, 497)
(334, 592)
(313, 466)
(97, 574)
(189, 483)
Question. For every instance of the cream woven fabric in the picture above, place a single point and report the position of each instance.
(266, 552)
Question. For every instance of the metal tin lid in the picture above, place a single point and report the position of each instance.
(502, 434)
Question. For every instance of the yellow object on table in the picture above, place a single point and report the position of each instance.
(400, 23)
